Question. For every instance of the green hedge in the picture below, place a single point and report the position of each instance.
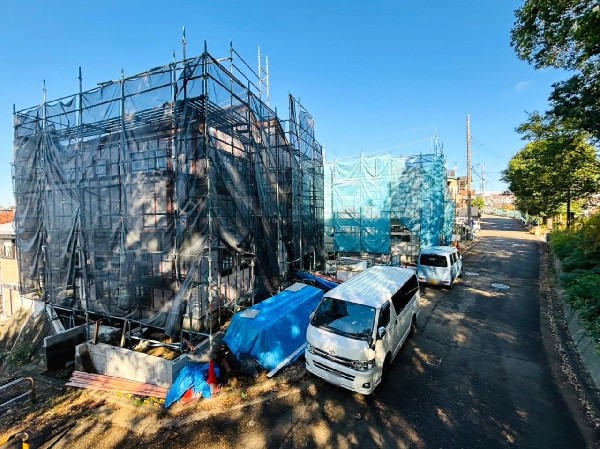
(579, 253)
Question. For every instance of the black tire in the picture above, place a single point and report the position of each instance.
(386, 370)
(460, 273)
(413, 326)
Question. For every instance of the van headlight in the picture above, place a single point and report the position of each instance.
(310, 348)
(363, 365)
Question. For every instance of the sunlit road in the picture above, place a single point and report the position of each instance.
(474, 376)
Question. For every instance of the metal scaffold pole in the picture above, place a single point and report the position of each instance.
(209, 196)
(42, 175)
(173, 167)
(78, 157)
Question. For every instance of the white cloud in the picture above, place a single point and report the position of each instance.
(522, 86)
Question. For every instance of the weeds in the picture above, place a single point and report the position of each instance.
(579, 252)
(20, 355)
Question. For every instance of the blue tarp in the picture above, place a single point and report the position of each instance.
(193, 376)
(278, 329)
(368, 192)
(321, 283)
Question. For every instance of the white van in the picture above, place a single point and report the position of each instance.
(439, 265)
(360, 326)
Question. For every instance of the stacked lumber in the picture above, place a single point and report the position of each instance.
(101, 382)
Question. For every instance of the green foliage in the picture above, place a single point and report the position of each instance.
(579, 252)
(591, 234)
(564, 34)
(551, 33)
(557, 165)
(478, 203)
(20, 355)
(563, 243)
(578, 101)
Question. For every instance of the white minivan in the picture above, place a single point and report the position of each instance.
(439, 265)
(360, 326)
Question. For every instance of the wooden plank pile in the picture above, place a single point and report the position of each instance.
(101, 382)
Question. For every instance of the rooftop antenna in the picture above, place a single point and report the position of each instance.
(267, 78)
(183, 44)
(259, 74)
(263, 77)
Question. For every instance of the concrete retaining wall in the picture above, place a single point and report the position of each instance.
(583, 342)
(132, 365)
(60, 348)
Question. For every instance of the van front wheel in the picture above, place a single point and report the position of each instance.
(385, 370)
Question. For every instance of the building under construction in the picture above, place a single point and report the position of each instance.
(165, 197)
(386, 205)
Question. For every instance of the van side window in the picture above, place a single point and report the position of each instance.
(403, 296)
(452, 258)
(384, 316)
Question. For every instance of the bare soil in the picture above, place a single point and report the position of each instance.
(69, 417)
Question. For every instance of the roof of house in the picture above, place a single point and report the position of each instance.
(7, 216)
(7, 228)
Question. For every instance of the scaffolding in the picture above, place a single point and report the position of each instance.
(165, 196)
(371, 199)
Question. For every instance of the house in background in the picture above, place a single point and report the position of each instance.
(9, 271)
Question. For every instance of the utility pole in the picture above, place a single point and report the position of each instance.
(483, 180)
(469, 172)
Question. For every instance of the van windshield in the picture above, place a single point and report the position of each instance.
(433, 260)
(345, 318)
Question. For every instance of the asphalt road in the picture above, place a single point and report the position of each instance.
(475, 375)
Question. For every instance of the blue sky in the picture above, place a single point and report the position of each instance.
(376, 75)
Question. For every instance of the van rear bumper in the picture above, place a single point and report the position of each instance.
(340, 375)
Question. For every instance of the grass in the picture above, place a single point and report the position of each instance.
(579, 253)
(20, 355)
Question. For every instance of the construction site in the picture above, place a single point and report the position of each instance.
(152, 208)
(166, 200)
(386, 206)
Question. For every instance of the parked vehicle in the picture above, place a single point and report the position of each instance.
(439, 265)
(359, 327)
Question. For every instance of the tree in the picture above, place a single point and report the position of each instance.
(564, 34)
(557, 167)
(478, 202)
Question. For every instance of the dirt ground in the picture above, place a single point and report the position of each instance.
(70, 417)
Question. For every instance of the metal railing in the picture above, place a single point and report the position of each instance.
(21, 396)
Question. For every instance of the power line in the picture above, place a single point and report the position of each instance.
(425, 139)
(489, 151)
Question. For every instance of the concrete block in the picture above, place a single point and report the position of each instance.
(60, 348)
(132, 365)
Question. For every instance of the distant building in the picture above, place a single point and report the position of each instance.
(9, 271)
(457, 185)
(499, 201)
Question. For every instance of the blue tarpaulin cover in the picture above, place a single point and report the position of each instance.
(321, 283)
(278, 327)
(193, 376)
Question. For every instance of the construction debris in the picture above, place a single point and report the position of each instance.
(101, 382)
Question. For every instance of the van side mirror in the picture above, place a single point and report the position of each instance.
(381, 332)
